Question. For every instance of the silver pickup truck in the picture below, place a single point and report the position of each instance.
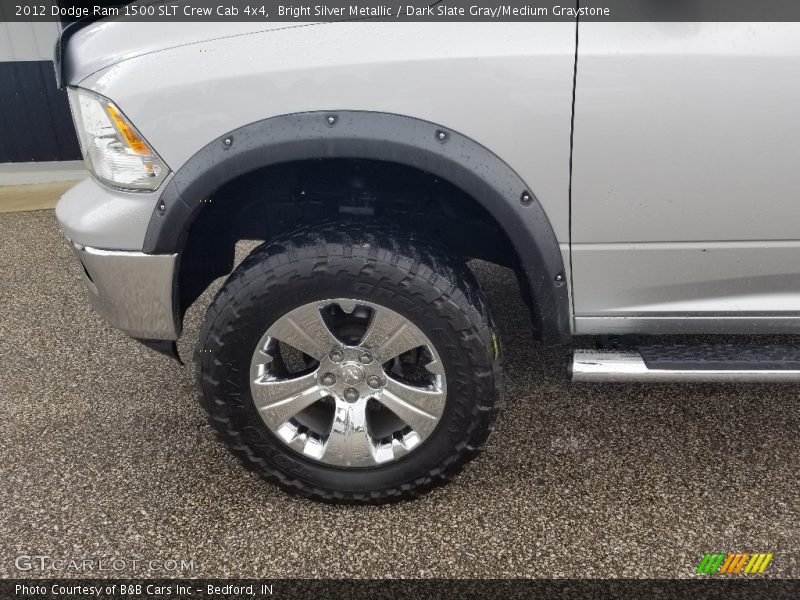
(641, 179)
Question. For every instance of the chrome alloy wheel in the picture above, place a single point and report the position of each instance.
(348, 383)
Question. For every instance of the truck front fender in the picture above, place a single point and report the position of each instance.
(387, 137)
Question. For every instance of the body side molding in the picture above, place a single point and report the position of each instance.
(379, 136)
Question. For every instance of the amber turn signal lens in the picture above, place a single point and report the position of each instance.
(134, 142)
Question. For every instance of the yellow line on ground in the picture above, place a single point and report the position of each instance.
(752, 566)
(765, 562)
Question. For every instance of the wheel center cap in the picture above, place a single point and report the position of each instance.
(351, 373)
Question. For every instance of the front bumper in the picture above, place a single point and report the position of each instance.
(94, 215)
(133, 291)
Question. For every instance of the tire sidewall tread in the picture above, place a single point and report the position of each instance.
(374, 262)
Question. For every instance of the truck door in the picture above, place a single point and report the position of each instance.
(686, 178)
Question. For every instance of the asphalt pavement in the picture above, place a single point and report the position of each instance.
(105, 454)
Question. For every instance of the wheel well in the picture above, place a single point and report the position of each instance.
(263, 203)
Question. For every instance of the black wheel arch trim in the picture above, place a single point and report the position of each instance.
(379, 136)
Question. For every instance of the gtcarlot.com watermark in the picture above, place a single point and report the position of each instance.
(45, 563)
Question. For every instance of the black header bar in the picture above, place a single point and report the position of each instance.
(401, 10)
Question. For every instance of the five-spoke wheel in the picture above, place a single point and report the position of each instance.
(348, 382)
(351, 363)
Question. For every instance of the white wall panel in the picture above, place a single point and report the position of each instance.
(27, 41)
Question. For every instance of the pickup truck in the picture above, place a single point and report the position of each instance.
(641, 180)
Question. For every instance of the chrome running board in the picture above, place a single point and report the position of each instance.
(627, 366)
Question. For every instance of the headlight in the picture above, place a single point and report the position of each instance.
(114, 151)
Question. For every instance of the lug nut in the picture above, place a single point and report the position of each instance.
(351, 394)
(328, 379)
(374, 382)
(336, 355)
(365, 357)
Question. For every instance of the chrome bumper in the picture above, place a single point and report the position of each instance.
(131, 290)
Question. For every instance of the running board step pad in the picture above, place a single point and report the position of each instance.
(696, 363)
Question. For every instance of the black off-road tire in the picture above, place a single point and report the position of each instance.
(372, 262)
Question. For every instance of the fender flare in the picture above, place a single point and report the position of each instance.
(378, 136)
